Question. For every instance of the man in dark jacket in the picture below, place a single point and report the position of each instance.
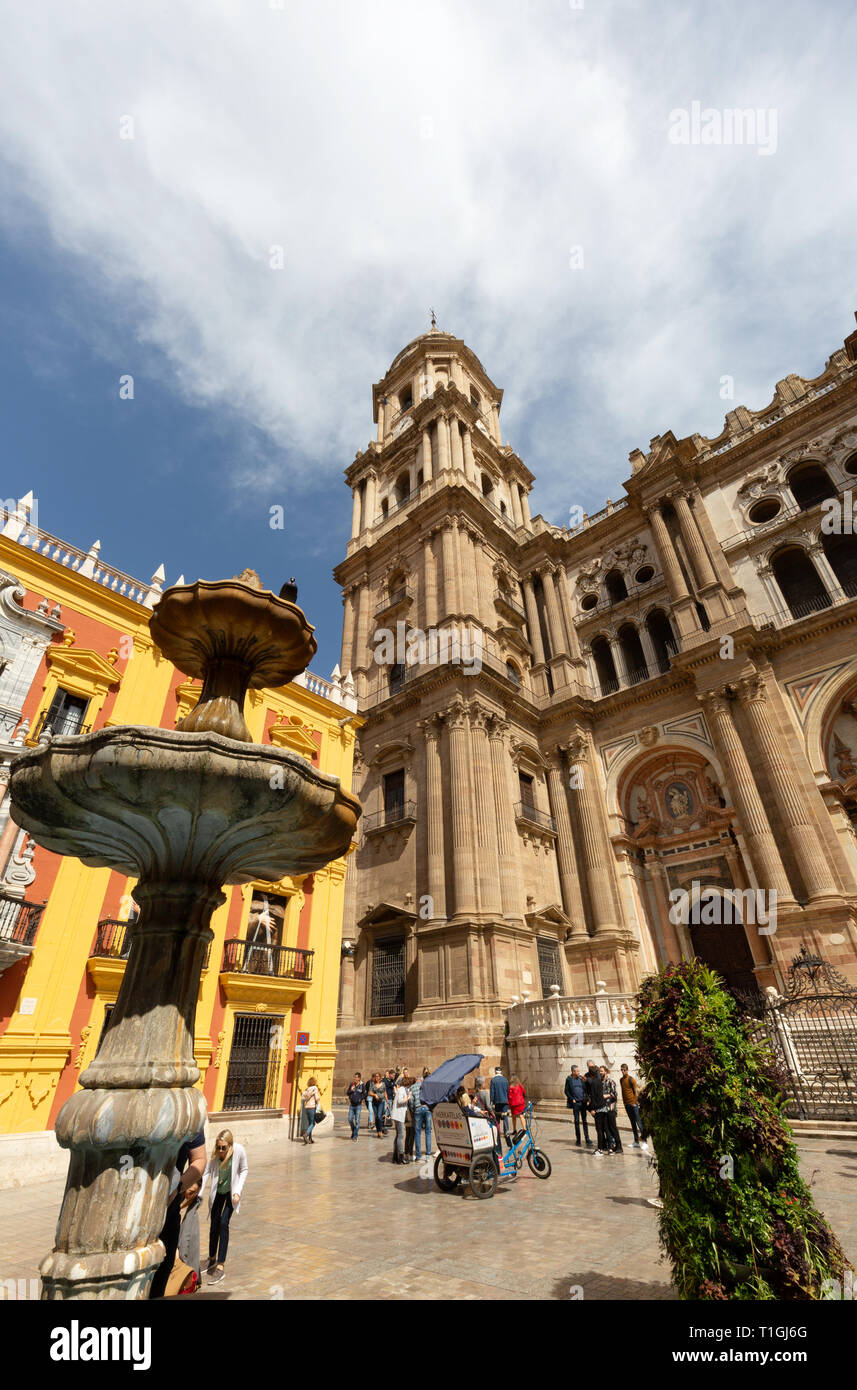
(356, 1096)
(575, 1099)
(499, 1097)
(594, 1087)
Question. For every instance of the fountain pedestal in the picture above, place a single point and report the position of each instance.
(184, 813)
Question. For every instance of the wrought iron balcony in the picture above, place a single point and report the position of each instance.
(258, 958)
(113, 941)
(523, 811)
(19, 920)
(404, 594)
(609, 687)
(641, 673)
(508, 602)
(61, 725)
(403, 813)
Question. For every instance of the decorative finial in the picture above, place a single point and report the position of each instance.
(434, 320)
(289, 591)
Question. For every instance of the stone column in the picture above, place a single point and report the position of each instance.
(442, 444)
(450, 572)
(363, 659)
(826, 572)
(507, 834)
(622, 673)
(434, 818)
(561, 584)
(525, 509)
(355, 512)
(710, 541)
(533, 621)
(669, 562)
(370, 506)
(693, 541)
(665, 928)
(761, 845)
(456, 447)
(648, 648)
(594, 843)
(425, 445)
(782, 778)
(347, 981)
(463, 867)
(430, 583)
(486, 824)
(348, 616)
(557, 634)
(516, 503)
(469, 459)
(566, 863)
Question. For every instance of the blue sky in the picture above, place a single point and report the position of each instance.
(402, 156)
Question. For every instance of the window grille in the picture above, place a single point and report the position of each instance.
(550, 969)
(254, 1062)
(388, 978)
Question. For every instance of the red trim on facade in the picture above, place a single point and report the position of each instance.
(46, 865)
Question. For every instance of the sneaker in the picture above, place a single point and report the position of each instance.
(599, 1153)
(588, 1143)
(635, 1145)
(216, 1275)
(577, 1142)
(644, 1146)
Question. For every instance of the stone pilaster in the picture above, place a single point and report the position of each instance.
(744, 794)
(488, 862)
(791, 804)
(559, 644)
(511, 895)
(533, 621)
(463, 867)
(425, 445)
(594, 843)
(572, 901)
(450, 573)
(434, 818)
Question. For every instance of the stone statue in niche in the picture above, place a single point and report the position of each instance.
(845, 764)
(679, 800)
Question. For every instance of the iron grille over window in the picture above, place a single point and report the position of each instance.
(550, 969)
(65, 715)
(388, 978)
(254, 1062)
(394, 794)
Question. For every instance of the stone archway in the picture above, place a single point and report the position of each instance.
(723, 945)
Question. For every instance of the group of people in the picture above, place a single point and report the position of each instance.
(595, 1094)
(392, 1099)
(225, 1174)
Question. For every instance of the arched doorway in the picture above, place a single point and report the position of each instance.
(723, 945)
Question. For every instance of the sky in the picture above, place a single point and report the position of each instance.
(250, 207)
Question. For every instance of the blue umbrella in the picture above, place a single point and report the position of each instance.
(446, 1079)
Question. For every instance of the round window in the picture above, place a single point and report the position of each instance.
(644, 575)
(588, 602)
(766, 510)
(851, 465)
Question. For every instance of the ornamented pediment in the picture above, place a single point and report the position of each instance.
(399, 751)
(77, 667)
(288, 731)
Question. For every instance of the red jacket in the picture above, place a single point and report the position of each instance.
(517, 1099)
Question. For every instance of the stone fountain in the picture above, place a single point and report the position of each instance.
(185, 811)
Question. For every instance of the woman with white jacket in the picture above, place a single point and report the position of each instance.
(227, 1173)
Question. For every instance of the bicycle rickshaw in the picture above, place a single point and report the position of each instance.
(467, 1143)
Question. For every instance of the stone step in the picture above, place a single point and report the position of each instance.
(825, 1129)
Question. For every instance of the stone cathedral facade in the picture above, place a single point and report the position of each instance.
(577, 724)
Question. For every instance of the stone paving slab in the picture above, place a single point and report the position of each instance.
(343, 1223)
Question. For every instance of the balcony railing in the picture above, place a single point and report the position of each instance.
(399, 814)
(258, 958)
(509, 602)
(113, 941)
(608, 687)
(397, 506)
(640, 673)
(523, 811)
(403, 594)
(19, 920)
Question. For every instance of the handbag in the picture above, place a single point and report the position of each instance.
(319, 1114)
(182, 1279)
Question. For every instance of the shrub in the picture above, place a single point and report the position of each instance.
(738, 1221)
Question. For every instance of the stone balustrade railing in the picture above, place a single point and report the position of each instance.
(572, 1014)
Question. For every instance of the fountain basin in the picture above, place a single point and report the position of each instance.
(164, 805)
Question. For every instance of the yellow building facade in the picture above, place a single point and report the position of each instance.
(76, 655)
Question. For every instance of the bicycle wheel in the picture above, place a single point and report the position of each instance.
(447, 1179)
(539, 1163)
(483, 1176)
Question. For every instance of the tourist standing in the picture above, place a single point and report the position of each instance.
(422, 1117)
(631, 1100)
(517, 1102)
(227, 1173)
(184, 1189)
(356, 1095)
(379, 1095)
(399, 1111)
(311, 1099)
(390, 1088)
(594, 1088)
(499, 1096)
(611, 1128)
(575, 1099)
(483, 1095)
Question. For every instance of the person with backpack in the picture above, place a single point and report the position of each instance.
(356, 1096)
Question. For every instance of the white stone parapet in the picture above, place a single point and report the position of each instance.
(599, 1012)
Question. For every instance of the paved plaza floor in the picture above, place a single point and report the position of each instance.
(340, 1221)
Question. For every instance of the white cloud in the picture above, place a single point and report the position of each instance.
(405, 155)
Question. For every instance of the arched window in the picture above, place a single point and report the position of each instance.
(487, 485)
(604, 666)
(385, 508)
(632, 651)
(402, 489)
(616, 587)
(660, 631)
(799, 581)
(406, 398)
(810, 485)
(475, 398)
(397, 677)
(513, 673)
(704, 620)
(841, 552)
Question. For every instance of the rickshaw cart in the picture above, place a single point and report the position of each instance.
(466, 1144)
